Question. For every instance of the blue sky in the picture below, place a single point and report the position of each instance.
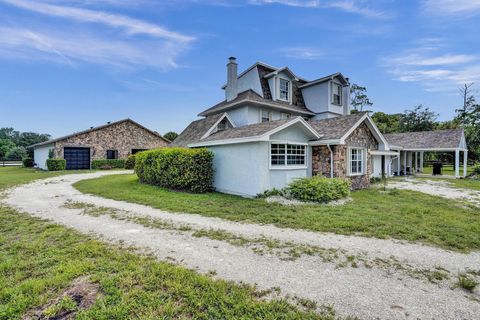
(71, 64)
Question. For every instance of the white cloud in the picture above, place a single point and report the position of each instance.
(61, 47)
(302, 53)
(434, 69)
(352, 6)
(130, 25)
(452, 7)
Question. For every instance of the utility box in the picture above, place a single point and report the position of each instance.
(437, 168)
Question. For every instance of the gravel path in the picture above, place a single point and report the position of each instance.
(365, 292)
(440, 188)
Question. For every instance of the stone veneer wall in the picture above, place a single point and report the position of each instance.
(362, 137)
(123, 136)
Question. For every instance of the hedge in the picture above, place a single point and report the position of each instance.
(56, 164)
(176, 168)
(319, 189)
(108, 164)
(130, 162)
(28, 162)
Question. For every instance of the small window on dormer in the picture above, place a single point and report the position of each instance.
(223, 125)
(284, 115)
(284, 89)
(337, 90)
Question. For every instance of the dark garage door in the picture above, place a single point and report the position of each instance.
(77, 158)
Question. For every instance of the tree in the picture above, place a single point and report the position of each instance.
(418, 119)
(171, 135)
(468, 101)
(386, 123)
(359, 99)
(9, 133)
(26, 139)
(16, 153)
(5, 146)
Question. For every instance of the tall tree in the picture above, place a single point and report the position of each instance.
(359, 98)
(171, 135)
(387, 123)
(418, 119)
(468, 101)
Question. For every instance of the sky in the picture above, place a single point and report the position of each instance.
(71, 64)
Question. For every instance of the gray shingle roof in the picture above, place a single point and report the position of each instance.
(252, 97)
(195, 130)
(439, 139)
(98, 128)
(336, 128)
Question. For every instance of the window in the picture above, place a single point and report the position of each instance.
(112, 154)
(284, 89)
(287, 154)
(357, 161)
(337, 90)
(285, 115)
(223, 125)
(265, 116)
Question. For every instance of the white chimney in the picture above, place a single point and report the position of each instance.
(231, 89)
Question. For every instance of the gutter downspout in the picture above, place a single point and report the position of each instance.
(331, 160)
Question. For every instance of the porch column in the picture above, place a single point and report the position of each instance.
(457, 163)
(465, 160)
(421, 161)
(405, 163)
(410, 162)
(398, 163)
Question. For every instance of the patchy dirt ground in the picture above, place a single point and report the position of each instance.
(364, 277)
(437, 187)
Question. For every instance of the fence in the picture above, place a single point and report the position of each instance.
(9, 163)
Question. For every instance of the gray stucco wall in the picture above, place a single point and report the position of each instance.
(40, 155)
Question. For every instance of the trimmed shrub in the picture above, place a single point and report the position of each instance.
(319, 189)
(476, 168)
(106, 164)
(176, 168)
(56, 164)
(28, 162)
(130, 162)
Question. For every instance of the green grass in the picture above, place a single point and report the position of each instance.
(39, 260)
(448, 170)
(404, 214)
(11, 176)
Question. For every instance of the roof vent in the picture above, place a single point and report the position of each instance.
(92, 127)
(108, 122)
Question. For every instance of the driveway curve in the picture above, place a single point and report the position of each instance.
(368, 291)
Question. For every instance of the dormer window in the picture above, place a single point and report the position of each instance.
(337, 91)
(223, 125)
(265, 116)
(284, 89)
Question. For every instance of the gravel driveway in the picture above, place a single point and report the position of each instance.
(389, 279)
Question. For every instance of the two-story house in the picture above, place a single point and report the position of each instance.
(274, 126)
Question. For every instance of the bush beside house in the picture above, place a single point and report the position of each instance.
(319, 189)
(176, 168)
(106, 164)
(130, 162)
(28, 162)
(56, 164)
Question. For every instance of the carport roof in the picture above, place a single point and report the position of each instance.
(94, 129)
(428, 140)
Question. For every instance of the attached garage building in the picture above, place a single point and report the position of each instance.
(115, 140)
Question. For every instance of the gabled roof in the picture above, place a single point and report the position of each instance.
(253, 132)
(250, 96)
(428, 140)
(338, 75)
(337, 130)
(196, 130)
(286, 70)
(256, 64)
(98, 128)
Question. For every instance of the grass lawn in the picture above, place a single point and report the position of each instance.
(46, 269)
(404, 214)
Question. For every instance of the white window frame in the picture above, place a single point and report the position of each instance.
(269, 115)
(287, 166)
(289, 89)
(336, 85)
(363, 161)
(285, 115)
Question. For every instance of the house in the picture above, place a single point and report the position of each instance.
(274, 126)
(114, 140)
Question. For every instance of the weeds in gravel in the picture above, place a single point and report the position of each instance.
(285, 250)
(466, 282)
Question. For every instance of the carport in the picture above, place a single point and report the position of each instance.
(413, 145)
